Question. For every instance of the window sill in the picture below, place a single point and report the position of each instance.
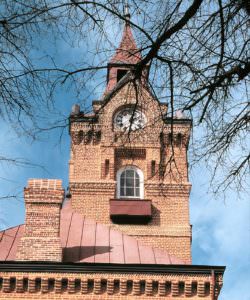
(130, 211)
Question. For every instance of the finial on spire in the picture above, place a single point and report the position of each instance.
(126, 11)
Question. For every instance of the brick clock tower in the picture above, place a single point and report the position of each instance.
(128, 162)
(125, 233)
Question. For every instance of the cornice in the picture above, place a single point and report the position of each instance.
(126, 280)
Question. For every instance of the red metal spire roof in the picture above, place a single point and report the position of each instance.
(127, 52)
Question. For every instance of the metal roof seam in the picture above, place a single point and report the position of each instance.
(138, 248)
(169, 257)
(109, 245)
(69, 229)
(124, 257)
(80, 244)
(13, 241)
(95, 243)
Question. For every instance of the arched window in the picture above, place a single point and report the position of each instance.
(130, 183)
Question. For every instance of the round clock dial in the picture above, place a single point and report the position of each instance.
(129, 119)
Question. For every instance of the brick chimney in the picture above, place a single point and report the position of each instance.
(41, 239)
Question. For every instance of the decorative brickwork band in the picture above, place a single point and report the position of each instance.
(130, 152)
(103, 286)
(41, 240)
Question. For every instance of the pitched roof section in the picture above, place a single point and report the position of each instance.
(9, 240)
(84, 240)
(127, 52)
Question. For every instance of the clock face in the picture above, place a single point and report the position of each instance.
(129, 119)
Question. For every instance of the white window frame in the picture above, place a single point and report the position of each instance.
(141, 182)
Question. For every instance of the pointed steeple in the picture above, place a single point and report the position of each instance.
(126, 56)
(127, 52)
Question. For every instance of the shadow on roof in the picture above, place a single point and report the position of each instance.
(79, 253)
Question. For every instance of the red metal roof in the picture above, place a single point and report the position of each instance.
(84, 240)
(9, 239)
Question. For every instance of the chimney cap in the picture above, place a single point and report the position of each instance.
(48, 184)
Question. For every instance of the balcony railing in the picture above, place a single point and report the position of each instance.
(130, 211)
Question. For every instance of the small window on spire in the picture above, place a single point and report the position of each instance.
(120, 74)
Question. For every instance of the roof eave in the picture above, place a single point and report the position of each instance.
(52, 267)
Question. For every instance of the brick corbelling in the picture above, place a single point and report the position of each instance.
(107, 285)
(47, 184)
(182, 189)
(33, 195)
(44, 191)
(43, 197)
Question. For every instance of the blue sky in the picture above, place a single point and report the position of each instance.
(221, 228)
